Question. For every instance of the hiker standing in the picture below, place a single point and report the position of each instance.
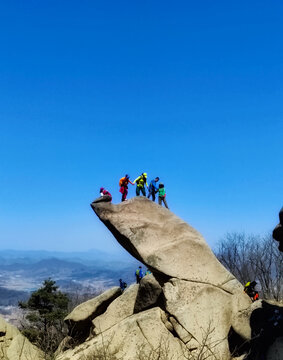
(140, 181)
(123, 284)
(105, 196)
(162, 195)
(249, 289)
(123, 183)
(139, 274)
(153, 189)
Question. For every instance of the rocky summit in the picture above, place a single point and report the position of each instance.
(190, 307)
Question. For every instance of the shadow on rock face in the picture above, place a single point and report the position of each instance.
(237, 344)
(267, 325)
(150, 294)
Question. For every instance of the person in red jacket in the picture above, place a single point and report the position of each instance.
(123, 183)
(105, 196)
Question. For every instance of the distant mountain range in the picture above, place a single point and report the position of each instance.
(24, 271)
(93, 255)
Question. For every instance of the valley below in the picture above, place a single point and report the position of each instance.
(81, 275)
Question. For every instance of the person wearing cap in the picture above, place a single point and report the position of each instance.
(123, 183)
(105, 196)
(153, 189)
(162, 195)
(140, 181)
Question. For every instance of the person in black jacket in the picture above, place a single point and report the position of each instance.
(278, 231)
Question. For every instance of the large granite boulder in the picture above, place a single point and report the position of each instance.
(140, 336)
(79, 321)
(164, 242)
(149, 293)
(118, 310)
(201, 310)
(14, 346)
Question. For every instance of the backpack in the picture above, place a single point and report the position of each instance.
(140, 178)
(122, 181)
(246, 287)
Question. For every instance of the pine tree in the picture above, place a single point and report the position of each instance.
(45, 311)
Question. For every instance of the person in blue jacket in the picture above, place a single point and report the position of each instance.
(153, 189)
(123, 285)
(139, 274)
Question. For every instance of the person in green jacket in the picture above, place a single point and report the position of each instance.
(140, 181)
(162, 195)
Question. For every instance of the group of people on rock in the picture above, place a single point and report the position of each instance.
(139, 274)
(141, 183)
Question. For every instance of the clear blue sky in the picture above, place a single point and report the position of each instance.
(90, 90)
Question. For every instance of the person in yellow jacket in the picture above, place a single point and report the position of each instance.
(140, 181)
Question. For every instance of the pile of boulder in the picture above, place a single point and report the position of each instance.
(189, 307)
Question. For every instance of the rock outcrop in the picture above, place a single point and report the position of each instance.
(189, 307)
(136, 337)
(120, 309)
(164, 242)
(79, 321)
(14, 346)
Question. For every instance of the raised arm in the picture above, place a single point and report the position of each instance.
(136, 180)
